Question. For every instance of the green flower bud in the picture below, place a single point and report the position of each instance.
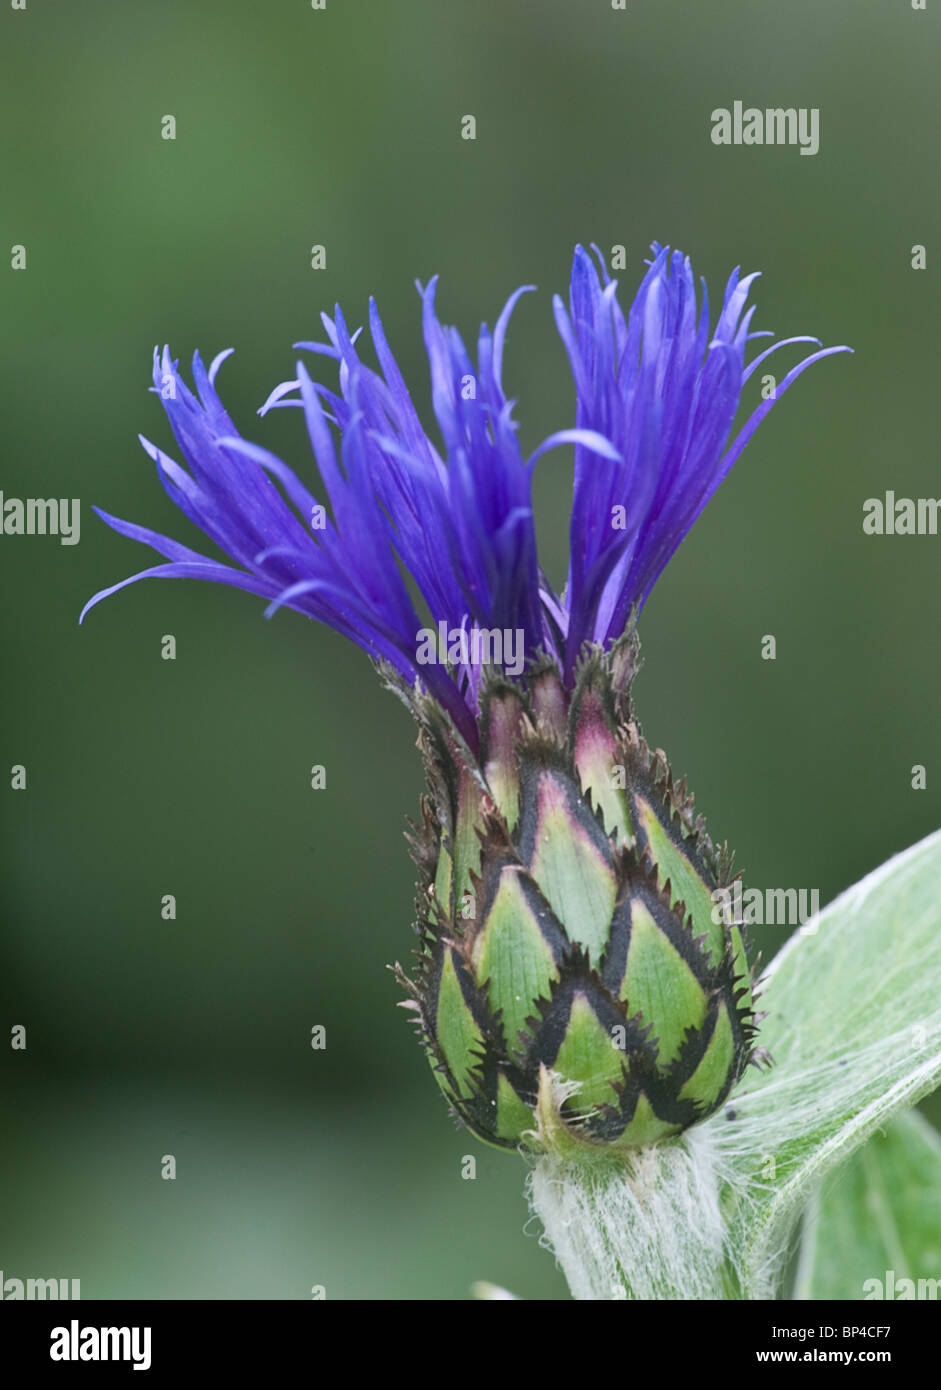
(577, 986)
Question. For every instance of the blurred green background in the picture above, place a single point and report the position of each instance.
(147, 777)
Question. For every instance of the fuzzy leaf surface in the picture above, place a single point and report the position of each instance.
(874, 1230)
(854, 1025)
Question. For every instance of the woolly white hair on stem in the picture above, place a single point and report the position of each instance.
(648, 1227)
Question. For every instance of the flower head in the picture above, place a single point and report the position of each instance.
(656, 394)
(574, 988)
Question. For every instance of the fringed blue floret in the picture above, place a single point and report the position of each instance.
(656, 395)
(665, 392)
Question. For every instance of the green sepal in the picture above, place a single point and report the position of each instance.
(566, 850)
(511, 956)
(514, 1117)
(675, 866)
(646, 1126)
(660, 985)
(590, 1056)
(550, 703)
(595, 751)
(501, 719)
(466, 842)
(740, 968)
(459, 1036)
(711, 1080)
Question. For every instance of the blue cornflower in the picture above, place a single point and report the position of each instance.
(566, 888)
(656, 395)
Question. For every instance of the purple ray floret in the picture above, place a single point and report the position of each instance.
(656, 395)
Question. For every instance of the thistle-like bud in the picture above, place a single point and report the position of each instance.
(576, 984)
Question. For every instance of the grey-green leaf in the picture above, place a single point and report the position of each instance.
(874, 1230)
(854, 1025)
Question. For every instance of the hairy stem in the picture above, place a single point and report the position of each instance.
(647, 1227)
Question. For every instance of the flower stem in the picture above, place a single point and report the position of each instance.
(647, 1226)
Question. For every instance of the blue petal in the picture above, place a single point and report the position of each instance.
(664, 392)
